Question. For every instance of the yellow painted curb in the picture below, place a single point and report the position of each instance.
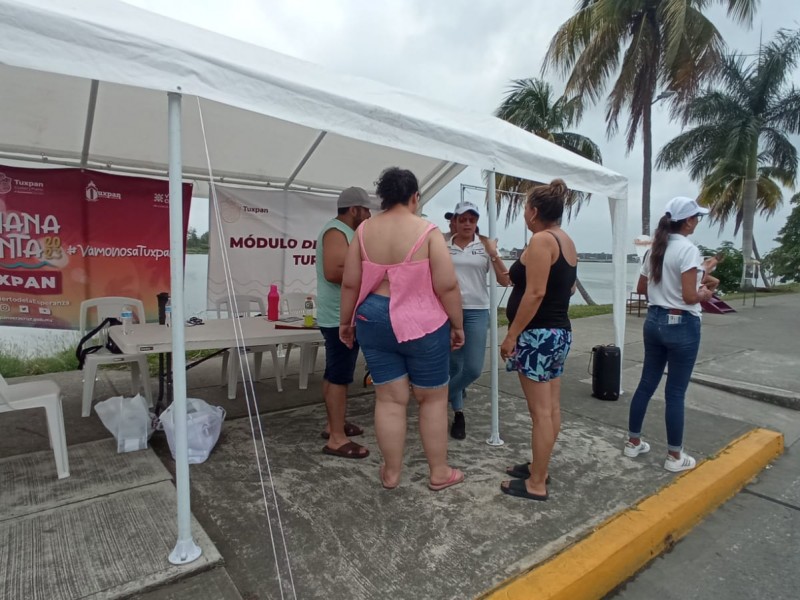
(625, 543)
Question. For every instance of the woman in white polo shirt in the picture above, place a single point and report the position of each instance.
(472, 256)
(671, 276)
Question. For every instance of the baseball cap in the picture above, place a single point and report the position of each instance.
(356, 196)
(449, 215)
(681, 207)
(463, 207)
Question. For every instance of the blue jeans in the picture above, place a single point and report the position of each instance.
(466, 363)
(666, 343)
(423, 361)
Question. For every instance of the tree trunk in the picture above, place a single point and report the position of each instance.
(760, 270)
(748, 214)
(584, 294)
(647, 171)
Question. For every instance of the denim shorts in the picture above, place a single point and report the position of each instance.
(340, 361)
(541, 353)
(425, 361)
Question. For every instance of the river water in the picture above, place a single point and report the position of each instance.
(596, 277)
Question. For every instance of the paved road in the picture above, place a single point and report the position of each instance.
(746, 549)
(750, 547)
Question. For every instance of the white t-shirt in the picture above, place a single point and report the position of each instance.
(472, 266)
(681, 255)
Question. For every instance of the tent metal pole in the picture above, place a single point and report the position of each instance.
(619, 222)
(491, 203)
(185, 550)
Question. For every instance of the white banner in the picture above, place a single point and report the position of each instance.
(270, 237)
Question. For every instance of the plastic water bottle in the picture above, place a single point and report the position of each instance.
(308, 312)
(168, 313)
(273, 303)
(126, 316)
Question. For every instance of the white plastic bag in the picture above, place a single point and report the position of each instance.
(128, 419)
(203, 426)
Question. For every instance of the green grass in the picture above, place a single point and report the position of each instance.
(15, 362)
(784, 288)
(577, 311)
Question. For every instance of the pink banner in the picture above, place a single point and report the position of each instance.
(67, 235)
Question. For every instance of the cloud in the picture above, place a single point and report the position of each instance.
(465, 54)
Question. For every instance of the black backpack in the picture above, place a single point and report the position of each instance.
(81, 352)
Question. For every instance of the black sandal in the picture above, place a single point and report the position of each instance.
(350, 430)
(516, 487)
(523, 471)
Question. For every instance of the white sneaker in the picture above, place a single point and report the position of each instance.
(632, 451)
(684, 463)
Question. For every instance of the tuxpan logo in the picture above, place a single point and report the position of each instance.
(5, 183)
(93, 194)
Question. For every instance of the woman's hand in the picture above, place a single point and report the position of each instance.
(490, 246)
(508, 347)
(704, 294)
(347, 334)
(456, 337)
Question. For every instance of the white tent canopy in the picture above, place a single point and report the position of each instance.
(85, 84)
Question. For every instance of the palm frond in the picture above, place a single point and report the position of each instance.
(569, 42)
(785, 112)
(780, 152)
(579, 144)
(742, 10)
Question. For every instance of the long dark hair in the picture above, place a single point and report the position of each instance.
(660, 239)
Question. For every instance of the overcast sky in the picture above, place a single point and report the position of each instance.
(465, 52)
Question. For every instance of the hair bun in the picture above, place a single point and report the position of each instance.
(558, 188)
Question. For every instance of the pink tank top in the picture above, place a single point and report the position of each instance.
(414, 308)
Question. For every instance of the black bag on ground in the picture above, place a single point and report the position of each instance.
(81, 352)
(604, 365)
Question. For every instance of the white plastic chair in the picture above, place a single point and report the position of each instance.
(100, 309)
(293, 305)
(247, 306)
(40, 394)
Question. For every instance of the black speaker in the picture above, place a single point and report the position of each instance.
(605, 364)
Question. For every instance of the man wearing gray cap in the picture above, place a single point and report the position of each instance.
(353, 206)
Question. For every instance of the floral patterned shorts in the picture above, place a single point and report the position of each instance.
(541, 353)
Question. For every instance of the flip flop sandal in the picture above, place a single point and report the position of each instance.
(523, 471)
(516, 487)
(383, 481)
(455, 478)
(350, 430)
(348, 450)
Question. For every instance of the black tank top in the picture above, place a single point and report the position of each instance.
(553, 311)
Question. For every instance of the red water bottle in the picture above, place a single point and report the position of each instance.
(273, 302)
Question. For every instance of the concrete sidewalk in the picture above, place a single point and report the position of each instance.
(346, 537)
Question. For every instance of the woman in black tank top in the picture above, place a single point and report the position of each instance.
(539, 332)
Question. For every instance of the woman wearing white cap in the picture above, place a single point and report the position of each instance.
(473, 255)
(671, 276)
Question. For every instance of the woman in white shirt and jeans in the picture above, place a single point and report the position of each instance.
(473, 255)
(671, 276)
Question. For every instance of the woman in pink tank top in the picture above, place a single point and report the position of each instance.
(400, 298)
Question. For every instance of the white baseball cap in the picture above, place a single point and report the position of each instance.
(682, 207)
(463, 207)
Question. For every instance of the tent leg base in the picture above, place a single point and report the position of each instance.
(185, 551)
(494, 440)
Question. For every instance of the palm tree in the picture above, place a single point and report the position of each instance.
(532, 105)
(648, 45)
(738, 145)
